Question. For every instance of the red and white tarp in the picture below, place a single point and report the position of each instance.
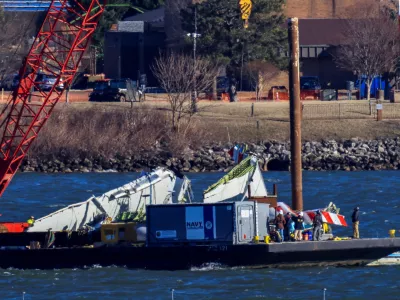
(327, 217)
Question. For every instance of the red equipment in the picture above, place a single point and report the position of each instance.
(13, 227)
(56, 51)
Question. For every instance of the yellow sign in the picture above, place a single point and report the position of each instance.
(245, 10)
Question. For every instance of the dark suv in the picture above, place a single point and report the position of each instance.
(310, 83)
(114, 90)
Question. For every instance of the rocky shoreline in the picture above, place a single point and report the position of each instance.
(349, 155)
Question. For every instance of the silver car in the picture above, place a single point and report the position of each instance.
(46, 82)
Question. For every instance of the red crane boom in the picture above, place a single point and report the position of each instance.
(56, 51)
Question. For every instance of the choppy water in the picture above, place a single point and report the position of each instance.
(376, 193)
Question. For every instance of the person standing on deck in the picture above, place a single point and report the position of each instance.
(317, 226)
(280, 224)
(299, 227)
(31, 221)
(286, 233)
(356, 221)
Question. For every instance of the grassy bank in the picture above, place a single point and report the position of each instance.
(113, 128)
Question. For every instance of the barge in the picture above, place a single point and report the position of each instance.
(292, 254)
(177, 233)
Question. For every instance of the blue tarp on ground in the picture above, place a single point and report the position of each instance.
(379, 83)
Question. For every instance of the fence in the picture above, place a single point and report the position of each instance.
(349, 111)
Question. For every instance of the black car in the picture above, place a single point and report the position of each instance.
(114, 90)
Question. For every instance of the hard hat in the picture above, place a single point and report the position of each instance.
(32, 217)
(301, 214)
(357, 208)
(281, 212)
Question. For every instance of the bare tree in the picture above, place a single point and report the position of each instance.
(370, 45)
(259, 74)
(16, 29)
(178, 75)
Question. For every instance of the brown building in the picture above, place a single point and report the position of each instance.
(324, 9)
(318, 41)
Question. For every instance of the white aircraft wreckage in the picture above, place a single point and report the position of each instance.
(162, 186)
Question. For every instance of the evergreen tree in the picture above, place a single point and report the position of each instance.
(224, 38)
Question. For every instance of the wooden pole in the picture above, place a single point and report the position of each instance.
(275, 189)
(379, 113)
(295, 115)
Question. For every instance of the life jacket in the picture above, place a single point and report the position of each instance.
(299, 223)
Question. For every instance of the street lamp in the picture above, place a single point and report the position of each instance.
(195, 35)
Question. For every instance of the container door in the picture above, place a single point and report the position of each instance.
(245, 223)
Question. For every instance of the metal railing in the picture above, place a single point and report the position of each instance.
(339, 111)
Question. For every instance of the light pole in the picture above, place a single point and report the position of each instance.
(194, 104)
(241, 66)
(195, 35)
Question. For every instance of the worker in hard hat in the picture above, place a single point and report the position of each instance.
(299, 227)
(31, 221)
(280, 224)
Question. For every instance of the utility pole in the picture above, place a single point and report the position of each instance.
(295, 115)
(241, 71)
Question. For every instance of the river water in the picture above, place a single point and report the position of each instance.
(376, 193)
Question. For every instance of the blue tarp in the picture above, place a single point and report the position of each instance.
(26, 5)
(379, 83)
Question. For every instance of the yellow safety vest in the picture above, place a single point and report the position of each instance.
(325, 227)
(30, 222)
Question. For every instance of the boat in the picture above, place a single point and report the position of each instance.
(390, 260)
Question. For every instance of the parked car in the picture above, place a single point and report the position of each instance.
(46, 81)
(310, 83)
(9, 82)
(154, 90)
(310, 88)
(114, 90)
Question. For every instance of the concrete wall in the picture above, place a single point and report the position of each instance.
(126, 53)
